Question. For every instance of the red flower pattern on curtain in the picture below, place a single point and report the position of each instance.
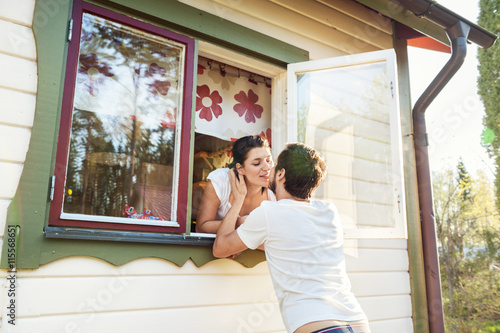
(168, 119)
(159, 85)
(93, 72)
(208, 103)
(247, 106)
(240, 108)
(267, 135)
(201, 69)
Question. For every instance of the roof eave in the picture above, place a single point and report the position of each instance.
(430, 18)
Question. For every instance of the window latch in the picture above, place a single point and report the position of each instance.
(52, 185)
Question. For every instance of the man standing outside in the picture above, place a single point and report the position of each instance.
(303, 243)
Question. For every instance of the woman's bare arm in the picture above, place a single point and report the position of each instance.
(207, 211)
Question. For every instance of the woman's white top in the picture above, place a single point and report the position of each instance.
(220, 182)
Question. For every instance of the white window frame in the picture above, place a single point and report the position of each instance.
(388, 56)
(284, 120)
(172, 222)
(278, 76)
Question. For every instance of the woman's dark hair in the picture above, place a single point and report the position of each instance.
(304, 167)
(243, 145)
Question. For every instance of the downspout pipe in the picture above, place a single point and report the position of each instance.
(458, 37)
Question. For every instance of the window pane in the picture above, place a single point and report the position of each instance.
(345, 114)
(123, 132)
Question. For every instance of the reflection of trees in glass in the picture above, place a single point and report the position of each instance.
(302, 123)
(365, 94)
(123, 122)
(100, 160)
(303, 105)
(375, 100)
(87, 138)
(142, 66)
(357, 94)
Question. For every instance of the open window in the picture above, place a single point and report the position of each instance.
(123, 149)
(347, 108)
(83, 155)
(232, 101)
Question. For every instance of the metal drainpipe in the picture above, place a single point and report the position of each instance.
(458, 38)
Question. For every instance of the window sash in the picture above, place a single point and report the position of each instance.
(368, 139)
(182, 133)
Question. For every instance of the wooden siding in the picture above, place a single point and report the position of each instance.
(378, 268)
(326, 29)
(18, 81)
(222, 296)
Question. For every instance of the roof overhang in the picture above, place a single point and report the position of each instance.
(417, 39)
(429, 18)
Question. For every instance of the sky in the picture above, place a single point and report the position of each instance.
(454, 119)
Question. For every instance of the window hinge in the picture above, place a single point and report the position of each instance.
(52, 186)
(392, 89)
(70, 30)
(399, 203)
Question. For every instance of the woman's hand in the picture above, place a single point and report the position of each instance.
(238, 186)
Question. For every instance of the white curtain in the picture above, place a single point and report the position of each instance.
(229, 107)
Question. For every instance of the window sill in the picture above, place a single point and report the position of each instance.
(122, 220)
(127, 236)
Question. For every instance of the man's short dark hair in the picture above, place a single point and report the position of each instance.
(304, 167)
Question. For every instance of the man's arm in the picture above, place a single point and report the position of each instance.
(227, 242)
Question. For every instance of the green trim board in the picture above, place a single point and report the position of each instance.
(417, 268)
(120, 253)
(30, 207)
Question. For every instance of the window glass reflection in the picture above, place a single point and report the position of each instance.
(122, 148)
(345, 114)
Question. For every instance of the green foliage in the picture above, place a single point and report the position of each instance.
(464, 182)
(489, 83)
(468, 232)
(493, 327)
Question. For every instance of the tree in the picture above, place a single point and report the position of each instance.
(468, 232)
(489, 84)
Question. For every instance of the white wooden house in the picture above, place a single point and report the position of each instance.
(108, 104)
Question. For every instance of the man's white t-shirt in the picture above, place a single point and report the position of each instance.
(303, 245)
(222, 187)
